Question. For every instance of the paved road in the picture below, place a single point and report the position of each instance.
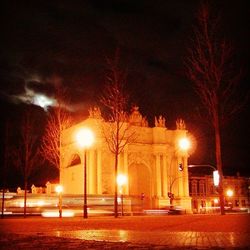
(142, 232)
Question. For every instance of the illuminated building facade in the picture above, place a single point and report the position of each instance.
(205, 197)
(151, 162)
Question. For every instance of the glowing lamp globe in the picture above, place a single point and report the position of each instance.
(59, 189)
(121, 179)
(184, 144)
(230, 193)
(85, 138)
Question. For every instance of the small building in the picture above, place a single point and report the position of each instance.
(205, 196)
(151, 162)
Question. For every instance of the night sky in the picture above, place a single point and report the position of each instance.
(48, 42)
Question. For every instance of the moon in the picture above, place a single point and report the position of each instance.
(43, 101)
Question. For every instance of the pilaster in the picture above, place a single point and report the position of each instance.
(99, 171)
(158, 176)
(165, 176)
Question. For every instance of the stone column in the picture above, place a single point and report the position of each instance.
(180, 177)
(99, 171)
(125, 169)
(91, 167)
(165, 176)
(158, 176)
(185, 178)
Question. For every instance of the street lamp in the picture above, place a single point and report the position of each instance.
(230, 194)
(121, 180)
(216, 178)
(59, 190)
(85, 139)
(184, 144)
(216, 201)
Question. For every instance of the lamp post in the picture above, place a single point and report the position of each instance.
(85, 139)
(121, 180)
(59, 190)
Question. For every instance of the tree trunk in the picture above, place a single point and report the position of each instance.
(25, 198)
(219, 161)
(115, 201)
(2, 215)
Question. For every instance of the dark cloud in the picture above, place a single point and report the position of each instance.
(12, 86)
(40, 88)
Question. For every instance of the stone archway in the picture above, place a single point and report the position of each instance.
(140, 183)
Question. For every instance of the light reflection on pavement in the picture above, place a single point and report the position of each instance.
(98, 235)
(175, 232)
(178, 239)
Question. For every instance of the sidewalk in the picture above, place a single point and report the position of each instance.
(134, 232)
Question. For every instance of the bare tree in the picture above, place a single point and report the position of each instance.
(26, 155)
(58, 120)
(117, 132)
(210, 67)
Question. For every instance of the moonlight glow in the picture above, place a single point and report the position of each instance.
(43, 101)
(35, 98)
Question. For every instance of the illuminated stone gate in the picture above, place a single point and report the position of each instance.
(151, 162)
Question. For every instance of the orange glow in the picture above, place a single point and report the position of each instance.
(230, 192)
(32, 203)
(59, 189)
(121, 179)
(51, 214)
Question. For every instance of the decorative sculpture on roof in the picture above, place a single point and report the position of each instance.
(144, 122)
(160, 122)
(180, 124)
(136, 118)
(95, 113)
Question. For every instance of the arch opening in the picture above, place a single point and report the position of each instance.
(140, 185)
(75, 160)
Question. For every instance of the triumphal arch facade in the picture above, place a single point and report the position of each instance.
(151, 162)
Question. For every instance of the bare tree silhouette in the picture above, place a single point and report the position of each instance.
(210, 67)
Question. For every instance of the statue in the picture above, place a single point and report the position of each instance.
(136, 118)
(144, 122)
(95, 113)
(180, 124)
(161, 122)
(156, 122)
